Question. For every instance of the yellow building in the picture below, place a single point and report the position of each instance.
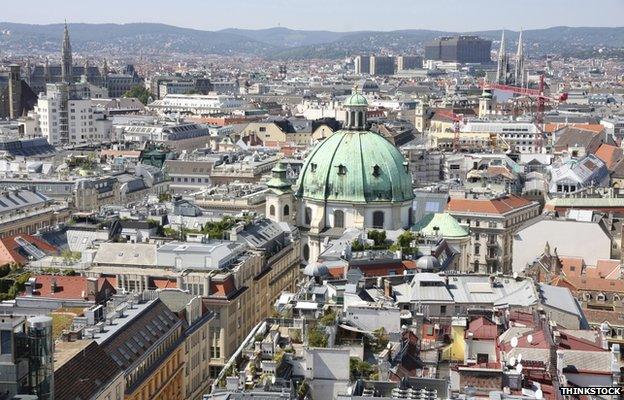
(455, 351)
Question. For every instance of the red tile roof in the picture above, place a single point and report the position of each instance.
(500, 205)
(65, 287)
(10, 249)
(483, 329)
(611, 155)
(223, 288)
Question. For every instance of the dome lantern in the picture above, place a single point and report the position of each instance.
(355, 108)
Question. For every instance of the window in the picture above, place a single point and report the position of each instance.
(6, 342)
(313, 167)
(306, 252)
(262, 129)
(378, 219)
(376, 171)
(286, 210)
(443, 310)
(308, 216)
(476, 249)
(272, 210)
(338, 219)
(342, 170)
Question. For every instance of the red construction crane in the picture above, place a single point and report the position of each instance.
(538, 94)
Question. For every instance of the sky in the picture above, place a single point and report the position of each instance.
(336, 15)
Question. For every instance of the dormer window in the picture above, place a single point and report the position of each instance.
(406, 166)
(313, 167)
(376, 171)
(342, 170)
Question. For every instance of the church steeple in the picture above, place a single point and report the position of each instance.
(519, 71)
(66, 58)
(503, 65)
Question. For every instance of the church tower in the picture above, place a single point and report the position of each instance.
(66, 58)
(503, 62)
(279, 200)
(420, 118)
(519, 71)
(486, 103)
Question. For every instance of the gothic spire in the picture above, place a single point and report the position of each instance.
(502, 67)
(66, 57)
(519, 72)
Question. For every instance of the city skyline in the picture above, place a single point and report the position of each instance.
(447, 15)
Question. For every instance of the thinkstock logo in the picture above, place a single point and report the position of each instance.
(591, 391)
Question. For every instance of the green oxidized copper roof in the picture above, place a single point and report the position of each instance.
(355, 166)
(279, 182)
(448, 226)
(356, 99)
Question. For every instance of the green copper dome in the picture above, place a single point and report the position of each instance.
(448, 227)
(356, 100)
(356, 167)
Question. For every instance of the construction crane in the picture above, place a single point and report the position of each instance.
(537, 94)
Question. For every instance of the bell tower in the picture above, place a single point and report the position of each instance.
(279, 200)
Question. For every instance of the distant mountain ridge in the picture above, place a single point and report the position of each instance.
(278, 42)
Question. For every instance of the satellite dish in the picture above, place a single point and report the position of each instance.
(519, 358)
(539, 394)
(514, 342)
(512, 361)
(519, 368)
(530, 339)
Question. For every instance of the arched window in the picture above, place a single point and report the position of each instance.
(286, 210)
(272, 210)
(352, 121)
(360, 119)
(308, 216)
(338, 219)
(306, 252)
(378, 219)
(410, 217)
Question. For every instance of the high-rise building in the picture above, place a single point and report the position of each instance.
(409, 62)
(63, 118)
(461, 49)
(362, 65)
(381, 65)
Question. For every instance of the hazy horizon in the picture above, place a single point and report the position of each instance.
(343, 16)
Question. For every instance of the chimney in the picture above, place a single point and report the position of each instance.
(30, 285)
(92, 287)
(387, 288)
(469, 345)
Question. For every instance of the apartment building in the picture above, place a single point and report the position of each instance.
(492, 224)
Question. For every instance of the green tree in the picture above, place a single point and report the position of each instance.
(140, 92)
(317, 337)
(379, 237)
(360, 369)
(329, 318)
(404, 243)
(381, 340)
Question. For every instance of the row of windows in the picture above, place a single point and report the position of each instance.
(286, 210)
